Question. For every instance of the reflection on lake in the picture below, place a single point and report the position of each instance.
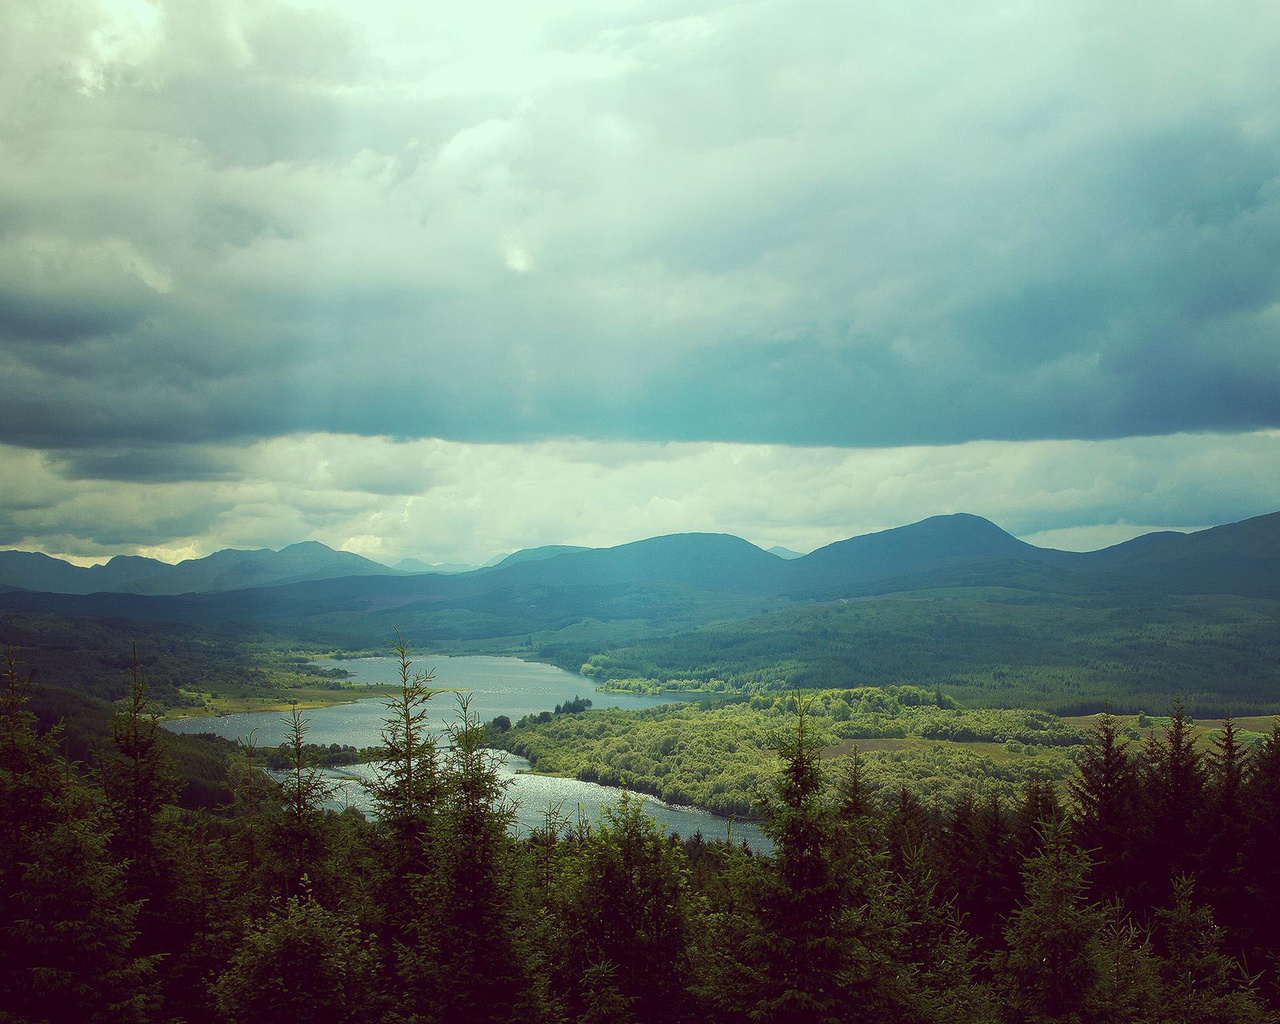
(499, 686)
(533, 795)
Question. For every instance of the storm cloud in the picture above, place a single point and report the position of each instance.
(807, 224)
(227, 226)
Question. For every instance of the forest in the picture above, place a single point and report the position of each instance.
(719, 755)
(1143, 889)
(988, 647)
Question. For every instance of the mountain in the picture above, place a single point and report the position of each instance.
(32, 570)
(932, 544)
(1239, 558)
(536, 554)
(229, 569)
(707, 561)
(418, 565)
(240, 570)
(782, 552)
(672, 580)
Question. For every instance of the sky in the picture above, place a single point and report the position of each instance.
(443, 281)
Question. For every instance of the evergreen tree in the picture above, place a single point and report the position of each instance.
(255, 806)
(931, 943)
(407, 787)
(854, 799)
(203, 909)
(139, 779)
(302, 963)
(297, 831)
(908, 829)
(1260, 865)
(1127, 986)
(1104, 818)
(463, 958)
(28, 778)
(1050, 969)
(67, 926)
(1220, 857)
(1039, 807)
(1202, 983)
(641, 930)
(822, 958)
(407, 790)
(1173, 783)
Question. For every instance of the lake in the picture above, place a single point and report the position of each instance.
(499, 686)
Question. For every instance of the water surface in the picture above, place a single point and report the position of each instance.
(498, 686)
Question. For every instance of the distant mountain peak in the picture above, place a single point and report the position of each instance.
(537, 554)
(305, 546)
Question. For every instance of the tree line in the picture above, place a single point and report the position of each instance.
(1148, 894)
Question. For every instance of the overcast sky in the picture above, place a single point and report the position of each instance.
(446, 280)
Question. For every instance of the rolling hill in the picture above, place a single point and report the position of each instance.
(952, 601)
(690, 577)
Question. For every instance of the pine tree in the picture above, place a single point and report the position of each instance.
(1127, 988)
(908, 829)
(1260, 865)
(27, 776)
(254, 807)
(302, 963)
(639, 936)
(463, 957)
(297, 831)
(1202, 983)
(407, 787)
(138, 778)
(1173, 784)
(822, 957)
(1104, 817)
(1219, 858)
(1039, 807)
(67, 924)
(1051, 966)
(995, 873)
(854, 799)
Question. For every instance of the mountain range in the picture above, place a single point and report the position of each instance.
(229, 569)
(682, 576)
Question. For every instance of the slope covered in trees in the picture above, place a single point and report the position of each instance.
(1138, 899)
(951, 601)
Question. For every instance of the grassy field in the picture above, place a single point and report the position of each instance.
(199, 704)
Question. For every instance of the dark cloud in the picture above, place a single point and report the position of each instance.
(167, 463)
(836, 229)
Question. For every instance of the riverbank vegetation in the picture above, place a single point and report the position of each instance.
(1137, 892)
(720, 757)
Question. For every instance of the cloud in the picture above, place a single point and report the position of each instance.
(815, 224)
(448, 501)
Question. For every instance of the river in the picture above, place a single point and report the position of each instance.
(498, 686)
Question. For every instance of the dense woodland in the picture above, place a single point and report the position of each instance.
(1147, 891)
(989, 647)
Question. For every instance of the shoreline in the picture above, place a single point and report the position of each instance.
(309, 699)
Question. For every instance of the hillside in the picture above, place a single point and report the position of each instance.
(951, 601)
(683, 577)
(928, 546)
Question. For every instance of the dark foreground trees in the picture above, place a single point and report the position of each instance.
(280, 910)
